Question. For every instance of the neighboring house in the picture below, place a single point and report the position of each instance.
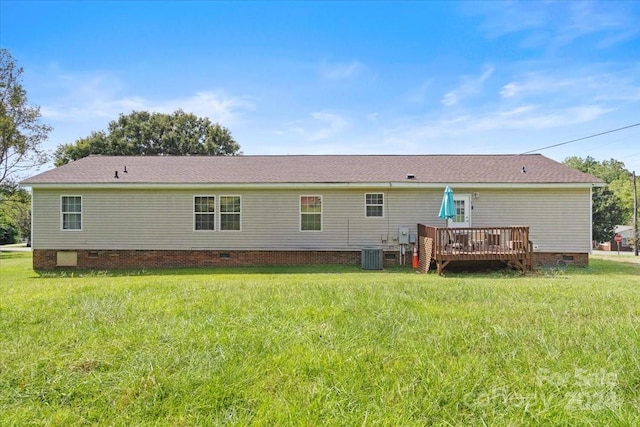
(141, 212)
(626, 233)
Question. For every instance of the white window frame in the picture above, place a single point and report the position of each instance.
(221, 214)
(366, 205)
(215, 207)
(63, 213)
(321, 213)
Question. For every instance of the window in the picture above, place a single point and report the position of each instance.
(204, 211)
(374, 205)
(71, 209)
(230, 213)
(462, 203)
(460, 211)
(310, 213)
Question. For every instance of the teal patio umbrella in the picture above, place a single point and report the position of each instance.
(448, 207)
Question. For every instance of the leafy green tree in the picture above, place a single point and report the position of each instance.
(8, 230)
(15, 205)
(21, 133)
(151, 134)
(623, 189)
(612, 205)
(607, 213)
(607, 170)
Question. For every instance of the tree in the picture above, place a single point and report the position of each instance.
(15, 209)
(607, 213)
(623, 189)
(8, 230)
(151, 134)
(21, 133)
(611, 206)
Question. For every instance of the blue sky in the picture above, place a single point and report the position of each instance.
(343, 77)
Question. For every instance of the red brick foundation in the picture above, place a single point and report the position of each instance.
(552, 259)
(46, 259)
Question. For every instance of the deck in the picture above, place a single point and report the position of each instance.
(508, 244)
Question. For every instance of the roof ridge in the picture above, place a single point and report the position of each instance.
(169, 156)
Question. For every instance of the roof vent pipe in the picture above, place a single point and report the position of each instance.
(116, 175)
(125, 169)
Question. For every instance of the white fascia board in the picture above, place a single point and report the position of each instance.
(306, 186)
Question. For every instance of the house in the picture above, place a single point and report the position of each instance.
(626, 234)
(141, 212)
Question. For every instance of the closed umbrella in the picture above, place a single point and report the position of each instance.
(448, 207)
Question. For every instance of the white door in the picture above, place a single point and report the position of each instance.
(463, 211)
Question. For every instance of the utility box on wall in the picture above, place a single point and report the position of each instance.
(372, 258)
(403, 235)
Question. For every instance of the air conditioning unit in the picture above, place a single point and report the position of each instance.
(372, 258)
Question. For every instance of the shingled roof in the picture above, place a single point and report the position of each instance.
(332, 169)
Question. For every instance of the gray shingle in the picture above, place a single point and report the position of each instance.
(313, 169)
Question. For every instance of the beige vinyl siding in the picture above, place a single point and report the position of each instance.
(559, 220)
(155, 219)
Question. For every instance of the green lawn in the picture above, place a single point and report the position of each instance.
(319, 346)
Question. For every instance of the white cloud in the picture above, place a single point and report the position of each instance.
(539, 103)
(558, 24)
(340, 71)
(419, 94)
(535, 84)
(613, 25)
(322, 126)
(333, 125)
(527, 120)
(450, 99)
(217, 106)
(592, 84)
(373, 117)
(102, 96)
(471, 85)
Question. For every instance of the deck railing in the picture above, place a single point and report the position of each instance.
(510, 244)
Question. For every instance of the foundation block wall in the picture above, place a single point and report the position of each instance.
(47, 259)
(551, 259)
(131, 259)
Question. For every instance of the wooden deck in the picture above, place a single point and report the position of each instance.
(508, 244)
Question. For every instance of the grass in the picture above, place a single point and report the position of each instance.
(319, 346)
